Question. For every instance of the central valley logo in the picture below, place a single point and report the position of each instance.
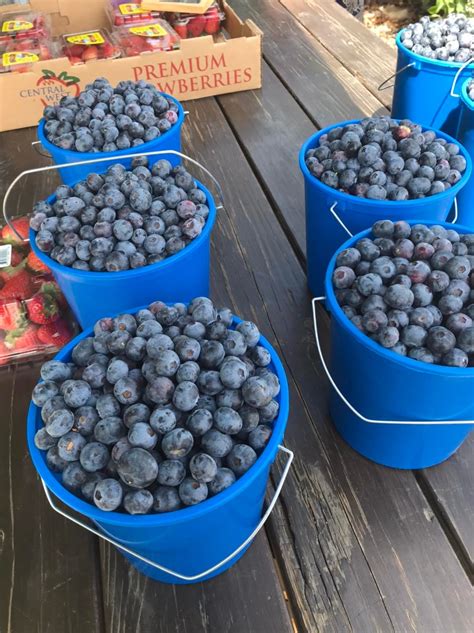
(51, 88)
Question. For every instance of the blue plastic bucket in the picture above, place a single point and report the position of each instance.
(466, 137)
(71, 175)
(191, 540)
(179, 278)
(323, 232)
(422, 90)
(383, 386)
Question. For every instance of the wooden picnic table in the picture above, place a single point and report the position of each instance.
(351, 546)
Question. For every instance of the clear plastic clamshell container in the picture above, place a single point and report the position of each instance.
(147, 38)
(89, 45)
(24, 25)
(128, 13)
(190, 25)
(18, 55)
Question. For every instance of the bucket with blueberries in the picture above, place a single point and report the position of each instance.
(402, 341)
(465, 135)
(120, 237)
(160, 426)
(132, 118)
(357, 172)
(433, 57)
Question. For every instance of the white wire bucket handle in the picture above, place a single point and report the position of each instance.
(332, 210)
(456, 77)
(108, 159)
(161, 568)
(352, 408)
(383, 85)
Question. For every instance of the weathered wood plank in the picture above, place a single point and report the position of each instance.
(49, 576)
(451, 485)
(325, 88)
(244, 599)
(349, 520)
(362, 52)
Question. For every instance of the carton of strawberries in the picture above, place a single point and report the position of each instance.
(189, 25)
(34, 316)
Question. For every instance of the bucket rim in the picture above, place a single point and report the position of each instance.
(439, 63)
(467, 101)
(404, 205)
(165, 519)
(130, 273)
(372, 346)
(54, 149)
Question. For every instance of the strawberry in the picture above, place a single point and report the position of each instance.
(35, 264)
(90, 52)
(23, 340)
(12, 316)
(18, 286)
(22, 225)
(17, 258)
(75, 60)
(42, 308)
(57, 333)
(196, 26)
(181, 28)
(213, 21)
(107, 50)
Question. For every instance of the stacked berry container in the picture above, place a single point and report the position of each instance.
(188, 25)
(434, 58)
(106, 121)
(148, 37)
(34, 317)
(183, 442)
(402, 354)
(359, 171)
(129, 13)
(465, 134)
(25, 39)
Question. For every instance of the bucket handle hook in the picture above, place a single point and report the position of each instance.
(349, 405)
(332, 210)
(108, 159)
(456, 77)
(383, 85)
(176, 574)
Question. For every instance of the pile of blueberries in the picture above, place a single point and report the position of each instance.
(106, 119)
(447, 39)
(383, 159)
(121, 219)
(158, 410)
(411, 289)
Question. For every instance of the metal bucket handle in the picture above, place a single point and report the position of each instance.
(109, 159)
(352, 408)
(176, 574)
(456, 77)
(338, 219)
(383, 85)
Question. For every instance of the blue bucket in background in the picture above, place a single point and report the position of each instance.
(323, 232)
(179, 278)
(465, 135)
(422, 90)
(191, 540)
(382, 385)
(71, 175)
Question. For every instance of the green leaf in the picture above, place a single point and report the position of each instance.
(62, 75)
(48, 73)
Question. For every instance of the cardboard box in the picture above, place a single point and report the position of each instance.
(202, 67)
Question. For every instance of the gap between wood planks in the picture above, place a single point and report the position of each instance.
(452, 534)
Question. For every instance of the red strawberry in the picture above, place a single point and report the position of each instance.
(196, 26)
(18, 286)
(22, 225)
(107, 50)
(42, 308)
(213, 22)
(181, 28)
(23, 340)
(12, 316)
(90, 52)
(57, 333)
(34, 263)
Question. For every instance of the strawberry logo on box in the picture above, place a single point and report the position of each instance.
(54, 87)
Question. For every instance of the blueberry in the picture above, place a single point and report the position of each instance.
(449, 304)
(54, 462)
(421, 354)
(109, 430)
(343, 277)
(166, 499)
(388, 336)
(369, 284)
(421, 316)
(241, 458)
(256, 392)
(458, 267)
(185, 396)
(188, 371)
(223, 479)
(466, 340)
(199, 422)
(134, 413)
(75, 392)
(94, 456)
(137, 468)
(374, 320)
(191, 492)
(397, 318)
(440, 340)
(43, 392)
(108, 494)
(142, 435)
(73, 475)
(177, 443)
(456, 358)
(138, 501)
(43, 440)
(216, 444)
